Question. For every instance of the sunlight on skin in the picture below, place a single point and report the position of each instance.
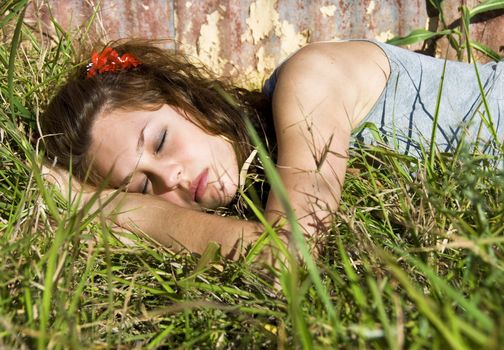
(163, 153)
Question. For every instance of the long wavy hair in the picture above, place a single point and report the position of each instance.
(164, 77)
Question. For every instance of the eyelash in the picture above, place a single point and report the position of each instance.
(161, 143)
(144, 187)
(158, 149)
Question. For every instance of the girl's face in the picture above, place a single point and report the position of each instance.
(163, 153)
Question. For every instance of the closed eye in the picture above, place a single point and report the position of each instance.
(145, 185)
(161, 141)
(159, 147)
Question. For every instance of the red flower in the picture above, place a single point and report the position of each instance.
(110, 61)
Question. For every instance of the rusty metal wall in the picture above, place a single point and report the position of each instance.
(487, 29)
(243, 36)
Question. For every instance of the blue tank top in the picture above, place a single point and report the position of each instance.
(403, 116)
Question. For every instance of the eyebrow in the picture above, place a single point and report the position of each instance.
(141, 140)
(139, 147)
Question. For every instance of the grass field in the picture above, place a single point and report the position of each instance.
(411, 261)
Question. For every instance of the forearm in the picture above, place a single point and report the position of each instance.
(313, 196)
(69, 186)
(313, 215)
(166, 223)
(181, 228)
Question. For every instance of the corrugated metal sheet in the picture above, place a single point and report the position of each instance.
(250, 36)
(487, 29)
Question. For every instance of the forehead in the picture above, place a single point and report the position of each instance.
(114, 139)
(122, 118)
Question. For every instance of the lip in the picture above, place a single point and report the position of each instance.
(199, 186)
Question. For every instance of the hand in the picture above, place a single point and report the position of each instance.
(70, 188)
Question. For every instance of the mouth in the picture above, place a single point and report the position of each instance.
(199, 186)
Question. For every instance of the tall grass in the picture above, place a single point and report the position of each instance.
(410, 262)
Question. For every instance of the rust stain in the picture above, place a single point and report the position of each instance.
(290, 39)
(487, 29)
(241, 37)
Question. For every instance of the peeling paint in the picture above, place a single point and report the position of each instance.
(291, 40)
(371, 7)
(249, 34)
(209, 43)
(328, 11)
(251, 78)
(384, 36)
(263, 18)
(265, 63)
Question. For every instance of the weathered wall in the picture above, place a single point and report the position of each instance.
(487, 29)
(245, 36)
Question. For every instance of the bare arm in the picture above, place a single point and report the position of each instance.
(322, 93)
(168, 224)
(178, 227)
(318, 100)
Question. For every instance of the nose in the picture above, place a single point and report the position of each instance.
(168, 178)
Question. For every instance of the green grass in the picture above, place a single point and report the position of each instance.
(411, 262)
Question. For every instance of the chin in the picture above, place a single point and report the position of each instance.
(222, 197)
(230, 194)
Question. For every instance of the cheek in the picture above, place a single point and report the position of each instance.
(227, 150)
(233, 164)
(231, 190)
(231, 177)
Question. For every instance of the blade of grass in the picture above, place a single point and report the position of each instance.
(49, 284)
(382, 315)
(163, 334)
(485, 50)
(16, 38)
(472, 309)
(281, 193)
(432, 146)
(486, 6)
(13, 12)
(416, 36)
(269, 233)
(488, 119)
(424, 304)
(357, 292)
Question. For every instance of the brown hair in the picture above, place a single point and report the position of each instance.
(164, 77)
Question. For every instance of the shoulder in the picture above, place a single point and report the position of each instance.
(352, 72)
(326, 59)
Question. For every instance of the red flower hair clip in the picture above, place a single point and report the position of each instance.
(110, 61)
